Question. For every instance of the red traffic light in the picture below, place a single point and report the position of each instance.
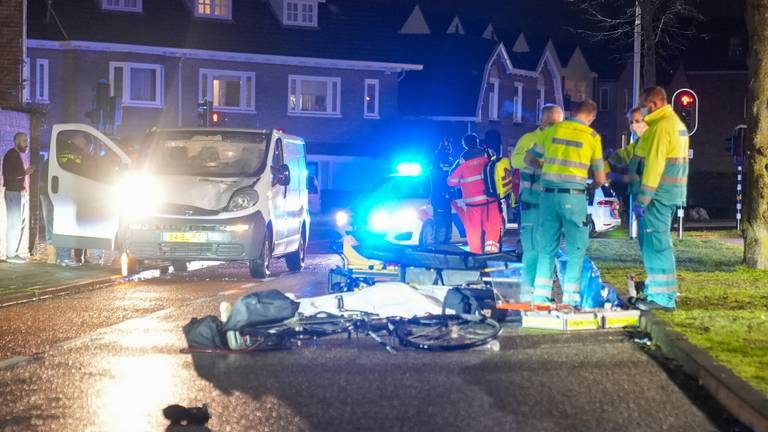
(215, 117)
(686, 105)
(685, 99)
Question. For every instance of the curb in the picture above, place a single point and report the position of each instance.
(46, 293)
(737, 396)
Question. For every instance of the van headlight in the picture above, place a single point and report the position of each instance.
(242, 199)
(137, 195)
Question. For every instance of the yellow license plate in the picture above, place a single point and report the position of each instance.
(185, 237)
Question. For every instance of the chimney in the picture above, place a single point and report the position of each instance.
(12, 52)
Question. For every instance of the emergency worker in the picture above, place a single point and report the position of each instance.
(440, 193)
(622, 162)
(482, 218)
(663, 186)
(565, 155)
(530, 191)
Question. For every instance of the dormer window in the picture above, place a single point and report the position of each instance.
(221, 9)
(122, 5)
(300, 13)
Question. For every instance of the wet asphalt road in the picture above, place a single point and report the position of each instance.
(109, 360)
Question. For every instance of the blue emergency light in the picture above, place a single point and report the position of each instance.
(409, 168)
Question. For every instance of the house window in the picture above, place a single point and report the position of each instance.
(228, 90)
(604, 98)
(137, 84)
(41, 81)
(539, 104)
(371, 98)
(213, 9)
(301, 13)
(311, 95)
(122, 5)
(493, 99)
(517, 115)
(27, 83)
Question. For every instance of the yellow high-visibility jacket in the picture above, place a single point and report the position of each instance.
(567, 151)
(665, 171)
(530, 181)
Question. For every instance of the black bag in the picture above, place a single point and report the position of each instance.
(205, 333)
(261, 308)
(470, 301)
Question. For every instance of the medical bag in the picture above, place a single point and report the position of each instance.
(498, 178)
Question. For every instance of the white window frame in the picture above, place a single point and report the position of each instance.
(329, 81)
(244, 77)
(27, 82)
(539, 103)
(604, 102)
(493, 99)
(127, 68)
(44, 96)
(517, 116)
(213, 14)
(375, 113)
(299, 13)
(122, 7)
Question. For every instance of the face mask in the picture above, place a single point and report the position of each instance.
(639, 128)
(644, 111)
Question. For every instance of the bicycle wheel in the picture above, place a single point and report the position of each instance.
(446, 332)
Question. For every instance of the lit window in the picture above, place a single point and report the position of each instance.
(493, 99)
(517, 116)
(310, 95)
(301, 13)
(137, 84)
(41, 81)
(213, 9)
(228, 90)
(122, 5)
(371, 98)
(27, 88)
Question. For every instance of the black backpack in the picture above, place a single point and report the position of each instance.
(261, 308)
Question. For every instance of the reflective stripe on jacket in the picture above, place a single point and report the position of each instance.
(568, 150)
(665, 171)
(468, 175)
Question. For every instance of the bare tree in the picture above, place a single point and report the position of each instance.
(666, 26)
(756, 209)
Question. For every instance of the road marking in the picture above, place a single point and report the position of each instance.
(250, 285)
(232, 291)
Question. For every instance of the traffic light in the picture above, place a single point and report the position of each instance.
(206, 116)
(217, 119)
(686, 105)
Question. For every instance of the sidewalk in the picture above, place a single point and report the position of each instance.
(35, 279)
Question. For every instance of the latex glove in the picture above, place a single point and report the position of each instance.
(614, 176)
(638, 210)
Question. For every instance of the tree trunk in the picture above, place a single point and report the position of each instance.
(647, 9)
(756, 202)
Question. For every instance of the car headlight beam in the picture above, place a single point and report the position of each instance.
(242, 199)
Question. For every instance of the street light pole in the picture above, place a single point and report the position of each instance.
(635, 97)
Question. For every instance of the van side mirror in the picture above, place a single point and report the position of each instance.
(284, 175)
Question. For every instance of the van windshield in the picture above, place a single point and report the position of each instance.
(208, 153)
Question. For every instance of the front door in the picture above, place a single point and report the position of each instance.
(84, 168)
(279, 197)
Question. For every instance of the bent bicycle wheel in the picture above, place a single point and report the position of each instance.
(446, 332)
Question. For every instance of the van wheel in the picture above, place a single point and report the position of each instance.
(179, 266)
(592, 231)
(295, 260)
(259, 267)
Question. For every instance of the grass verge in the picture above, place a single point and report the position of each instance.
(722, 306)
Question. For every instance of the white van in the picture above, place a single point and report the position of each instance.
(191, 195)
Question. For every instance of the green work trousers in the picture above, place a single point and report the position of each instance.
(658, 253)
(566, 214)
(529, 238)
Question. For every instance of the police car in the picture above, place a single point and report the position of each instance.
(604, 208)
(398, 209)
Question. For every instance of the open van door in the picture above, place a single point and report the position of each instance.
(83, 169)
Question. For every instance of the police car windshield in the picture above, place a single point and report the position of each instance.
(402, 187)
(208, 153)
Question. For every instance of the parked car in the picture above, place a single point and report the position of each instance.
(604, 210)
(192, 195)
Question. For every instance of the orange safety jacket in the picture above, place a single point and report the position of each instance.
(468, 175)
